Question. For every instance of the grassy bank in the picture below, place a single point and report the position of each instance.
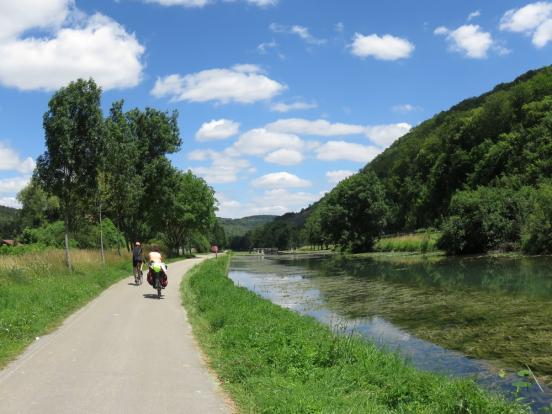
(273, 360)
(37, 293)
(415, 242)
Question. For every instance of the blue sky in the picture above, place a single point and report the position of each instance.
(277, 99)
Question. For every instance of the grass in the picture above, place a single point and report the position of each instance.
(415, 242)
(37, 292)
(272, 360)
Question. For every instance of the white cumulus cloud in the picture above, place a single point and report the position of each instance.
(241, 83)
(319, 127)
(338, 175)
(280, 180)
(385, 135)
(10, 202)
(217, 130)
(346, 151)
(11, 161)
(14, 184)
(386, 47)
(285, 157)
(74, 46)
(222, 170)
(534, 19)
(469, 40)
(260, 141)
(283, 107)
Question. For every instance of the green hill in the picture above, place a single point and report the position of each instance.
(8, 222)
(238, 227)
(502, 134)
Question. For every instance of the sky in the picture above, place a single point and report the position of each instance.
(278, 100)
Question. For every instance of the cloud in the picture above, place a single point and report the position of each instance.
(222, 170)
(382, 135)
(346, 151)
(280, 180)
(534, 19)
(241, 83)
(301, 31)
(474, 15)
(385, 135)
(338, 175)
(468, 40)
(14, 184)
(217, 130)
(386, 47)
(11, 161)
(263, 48)
(261, 141)
(339, 27)
(285, 157)
(75, 46)
(405, 108)
(283, 107)
(319, 127)
(10, 202)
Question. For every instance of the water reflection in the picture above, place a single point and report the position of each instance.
(455, 316)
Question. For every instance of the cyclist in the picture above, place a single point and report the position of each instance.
(137, 259)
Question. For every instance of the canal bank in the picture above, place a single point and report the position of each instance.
(274, 360)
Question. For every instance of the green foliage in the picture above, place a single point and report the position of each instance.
(273, 360)
(423, 242)
(39, 207)
(9, 222)
(537, 232)
(484, 219)
(354, 214)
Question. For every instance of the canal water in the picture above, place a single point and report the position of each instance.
(480, 317)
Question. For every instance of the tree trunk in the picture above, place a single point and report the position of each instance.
(101, 237)
(67, 255)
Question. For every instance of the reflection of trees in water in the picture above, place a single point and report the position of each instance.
(491, 308)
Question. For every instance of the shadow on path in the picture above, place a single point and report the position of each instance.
(152, 296)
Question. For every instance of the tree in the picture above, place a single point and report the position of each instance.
(355, 212)
(38, 207)
(73, 127)
(186, 208)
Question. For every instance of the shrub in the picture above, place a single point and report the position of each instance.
(537, 230)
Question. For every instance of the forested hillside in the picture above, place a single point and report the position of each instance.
(8, 222)
(503, 134)
(238, 227)
(481, 172)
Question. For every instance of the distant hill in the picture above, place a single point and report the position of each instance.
(8, 222)
(238, 227)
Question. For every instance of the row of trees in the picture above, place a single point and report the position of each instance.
(115, 168)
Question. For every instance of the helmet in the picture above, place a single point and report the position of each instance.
(137, 243)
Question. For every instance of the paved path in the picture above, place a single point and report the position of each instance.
(125, 352)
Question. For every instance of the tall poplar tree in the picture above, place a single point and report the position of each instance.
(73, 127)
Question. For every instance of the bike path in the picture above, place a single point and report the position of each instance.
(124, 352)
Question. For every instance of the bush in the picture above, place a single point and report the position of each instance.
(537, 231)
(484, 219)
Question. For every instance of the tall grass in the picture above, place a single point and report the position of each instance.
(272, 360)
(37, 292)
(416, 242)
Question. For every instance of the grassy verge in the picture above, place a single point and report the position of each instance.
(272, 360)
(37, 293)
(415, 242)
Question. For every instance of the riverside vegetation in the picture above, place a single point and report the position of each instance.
(37, 292)
(273, 360)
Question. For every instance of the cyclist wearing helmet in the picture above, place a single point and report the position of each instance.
(137, 259)
(158, 268)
